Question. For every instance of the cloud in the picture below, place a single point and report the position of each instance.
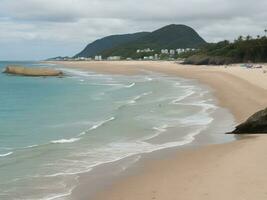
(77, 22)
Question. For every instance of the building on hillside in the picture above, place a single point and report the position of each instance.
(147, 50)
(98, 57)
(180, 51)
(148, 58)
(164, 51)
(172, 51)
(114, 58)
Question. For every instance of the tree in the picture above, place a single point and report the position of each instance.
(248, 37)
(240, 38)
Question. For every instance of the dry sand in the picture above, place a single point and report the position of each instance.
(233, 171)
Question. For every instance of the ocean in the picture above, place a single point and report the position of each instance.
(53, 129)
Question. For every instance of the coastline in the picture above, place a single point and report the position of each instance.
(243, 93)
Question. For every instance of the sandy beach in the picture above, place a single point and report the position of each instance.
(234, 170)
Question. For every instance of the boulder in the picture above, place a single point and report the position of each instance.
(29, 71)
(257, 123)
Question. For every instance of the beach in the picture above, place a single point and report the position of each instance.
(241, 90)
(234, 170)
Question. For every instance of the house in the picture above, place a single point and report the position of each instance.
(172, 52)
(98, 57)
(164, 51)
(114, 58)
(147, 50)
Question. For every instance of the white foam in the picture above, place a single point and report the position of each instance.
(31, 146)
(161, 129)
(108, 84)
(97, 125)
(177, 100)
(129, 86)
(6, 154)
(149, 78)
(62, 141)
(57, 196)
(135, 99)
(76, 72)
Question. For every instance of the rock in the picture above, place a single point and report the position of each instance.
(206, 60)
(257, 123)
(28, 71)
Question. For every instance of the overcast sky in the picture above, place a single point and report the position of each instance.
(38, 29)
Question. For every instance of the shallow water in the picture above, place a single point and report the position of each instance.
(52, 129)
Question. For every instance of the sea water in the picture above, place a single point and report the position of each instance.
(52, 129)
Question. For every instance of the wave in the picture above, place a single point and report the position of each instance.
(161, 129)
(97, 125)
(57, 196)
(177, 100)
(86, 74)
(135, 99)
(31, 146)
(108, 84)
(148, 78)
(75, 72)
(129, 86)
(6, 154)
(62, 141)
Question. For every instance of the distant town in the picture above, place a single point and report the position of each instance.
(144, 54)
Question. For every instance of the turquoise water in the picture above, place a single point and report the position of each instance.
(52, 129)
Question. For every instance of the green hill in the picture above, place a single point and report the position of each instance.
(109, 42)
(169, 37)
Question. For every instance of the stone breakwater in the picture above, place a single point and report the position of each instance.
(27, 71)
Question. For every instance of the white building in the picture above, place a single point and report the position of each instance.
(164, 51)
(114, 58)
(98, 57)
(172, 52)
(147, 50)
(180, 51)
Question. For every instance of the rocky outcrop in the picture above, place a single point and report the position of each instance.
(257, 123)
(28, 71)
(207, 60)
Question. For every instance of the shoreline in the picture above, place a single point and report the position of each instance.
(243, 93)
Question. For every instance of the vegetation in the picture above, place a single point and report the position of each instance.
(243, 49)
(109, 42)
(168, 37)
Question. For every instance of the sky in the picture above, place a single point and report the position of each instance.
(39, 29)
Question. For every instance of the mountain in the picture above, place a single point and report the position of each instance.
(109, 42)
(169, 37)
